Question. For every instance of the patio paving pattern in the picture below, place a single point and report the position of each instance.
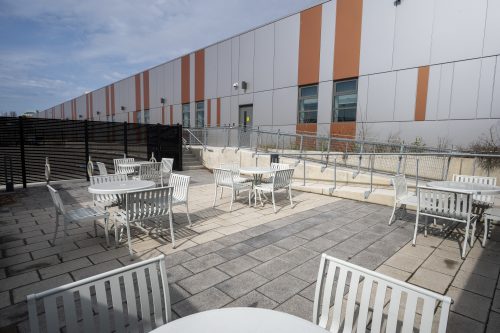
(248, 257)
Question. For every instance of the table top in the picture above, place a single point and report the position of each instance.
(121, 187)
(471, 188)
(133, 164)
(256, 170)
(240, 320)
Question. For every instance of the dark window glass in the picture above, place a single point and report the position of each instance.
(186, 117)
(308, 104)
(200, 114)
(345, 100)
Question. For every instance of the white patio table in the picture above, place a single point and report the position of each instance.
(471, 188)
(257, 173)
(121, 187)
(240, 320)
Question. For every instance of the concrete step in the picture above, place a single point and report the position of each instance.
(192, 167)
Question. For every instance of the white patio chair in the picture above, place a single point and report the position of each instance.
(479, 199)
(143, 283)
(107, 200)
(449, 205)
(124, 170)
(150, 204)
(281, 180)
(102, 168)
(167, 165)
(350, 287)
(150, 171)
(225, 178)
(275, 166)
(180, 184)
(235, 169)
(402, 197)
(76, 215)
(490, 214)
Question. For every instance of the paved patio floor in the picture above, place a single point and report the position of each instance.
(248, 257)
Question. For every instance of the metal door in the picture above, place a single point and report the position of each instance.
(246, 123)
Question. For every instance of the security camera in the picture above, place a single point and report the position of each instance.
(235, 85)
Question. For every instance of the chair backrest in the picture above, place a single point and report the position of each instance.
(167, 164)
(145, 204)
(450, 205)
(56, 199)
(234, 167)
(487, 199)
(180, 183)
(106, 179)
(282, 178)
(224, 177)
(129, 283)
(102, 168)
(358, 292)
(120, 169)
(150, 171)
(400, 186)
(280, 166)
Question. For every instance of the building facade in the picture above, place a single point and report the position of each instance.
(378, 69)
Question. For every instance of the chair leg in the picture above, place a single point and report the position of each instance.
(117, 240)
(274, 205)
(425, 228)
(486, 229)
(55, 232)
(215, 196)
(416, 228)
(170, 220)
(95, 228)
(221, 191)
(393, 212)
(290, 193)
(473, 234)
(232, 199)
(129, 241)
(187, 213)
(249, 198)
(466, 239)
(106, 231)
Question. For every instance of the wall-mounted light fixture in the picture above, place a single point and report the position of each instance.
(122, 108)
(397, 2)
(244, 85)
(235, 85)
(98, 112)
(163, 100)
(80, 116)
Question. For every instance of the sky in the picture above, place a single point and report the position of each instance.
(55, 50)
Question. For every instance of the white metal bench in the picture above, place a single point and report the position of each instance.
(225, 178)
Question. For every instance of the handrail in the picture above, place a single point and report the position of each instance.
(196, 138)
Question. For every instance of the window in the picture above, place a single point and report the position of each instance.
(186, 117)
(139, 117)
(308, 104)
(345, 100)
(146, 116)
(200, 114)
(112, 117)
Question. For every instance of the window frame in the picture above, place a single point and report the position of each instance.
(334, 117)
(197, 111)
(301, 98)
(188, 113)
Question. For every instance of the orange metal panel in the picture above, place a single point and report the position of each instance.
(343, 129)
(145, 85)
(199, 75)
(218, 112)
(422, 86)
(185, 79)
(309, 45)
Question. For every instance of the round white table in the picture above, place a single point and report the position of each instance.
(240, 320)
(257, 173)
(121, 187)
(471, 188)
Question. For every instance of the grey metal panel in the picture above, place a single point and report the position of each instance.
(377, 36)
(177, 81)
(156, 83)
(192, 70)
(286, 52)
(485, 96)
(169, 83)
(235, 60)
(467, 136)
(225, 111)
(245, 67)
(155, 116)
(285, 106)
(327, 41)
(363, 83)
(263, 108)
(98, 103)
(245, 99)
(445, 84)
(211, 71)
(234, 113)
(433, 92)
(325, 91)
(413, 34)
(495, 105)
(224, 83)
(380, 130)
(492, 29)
(430, 132)
(264, 58)
(406, 93)
(465, 89)
(381, 97)
(213, 121)
(458, 30)
(177, 114)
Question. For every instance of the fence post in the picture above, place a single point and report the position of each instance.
(474, 167)
(416, 176)
(304, 181)
(447, 167)
(86, 145)
(23, 160)
(257, 141)
(335, 173)
(400, 159)
(277, 140)
(301, 144)
(125, 139)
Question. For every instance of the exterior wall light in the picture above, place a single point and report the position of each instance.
(244, 85)
(122, 108)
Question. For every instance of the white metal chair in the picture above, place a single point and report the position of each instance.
(107, 200)
(281, 180)
(402, 197)
(225, 178)
(150, 204)
(150, 171)
(449, 205)
(180, 184)
(76, 215)
(121, 169)
(167, 165)
(479, 199)
(102, 168)
(279, 166)
(235, 169)
(143, 283)
(354, 308)
(490, 214)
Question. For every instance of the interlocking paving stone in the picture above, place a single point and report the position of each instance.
(481, 267)
(475, 283)
(211, 298)
(290, 243)
(108, 255)
(33, 265)
(493, 323)
(320, 244)
(282, 288)
(203, 249)
(4, 299)
(65, 267)
(205, 262)
(234, 238)
(253, 299)
(95, 269)
(58, 249)
(393, 272)
(469, 304)
(442, 265)
(177, 294)
(298, 255)
(20, 293)
(298, 306)
(26, 248)
(273, 268)
(204, 280)
(177, 273)
(404, 262)
(368, 259)
(178, 258)
(308, 271)
(238, 265)
(266, 253)
(241, 284)
(18, 280)
(17, 259)
(235, 250)
(495, 306)
(309, 292)
(431, 280)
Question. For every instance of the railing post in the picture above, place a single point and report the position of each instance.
(239, 137)
(447, 167)
(277, 140)
(400, 158)
(125, 139)
(301, 144)
(416, 171)
(372, 162)
(335, 173)
(86, 146)
(257, 141)
(474, 167)
(23, 160)
(304, 181)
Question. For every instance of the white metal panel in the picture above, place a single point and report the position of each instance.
(327, 41)
(235, 61)
(224, 82)
(363, 83)
(192, 70)
(445, 83)
(264, 58)
(285, 106)
(234, 113)
(99, 103)
(381, 92)
(177, 81)
(211, 72)
(406, 94)
(155, 116)
(413, 34)
(213, 111)
(169, 83)
(325, 91)
(377, 36)
(492, 29)
(465, 89)
(81, 108)
(495, 105)
(245, 67)
(177, 114)
(263, 108)
(155, 85)
(225, 111)
(245, 99)
(485, 95)
(458, 30)
(286, 52)
(431, 110)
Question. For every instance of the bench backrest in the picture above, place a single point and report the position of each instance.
(486, 199)
(120, 169)
(450, 205)
(282, 178)
(146, 204)
(106, 179)
(180, 184)
(400, 186)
